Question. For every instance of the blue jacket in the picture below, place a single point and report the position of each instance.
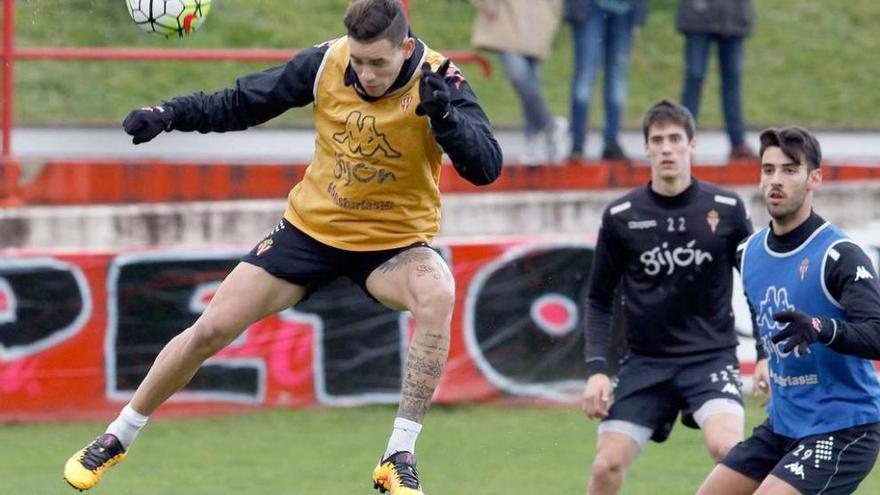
(576, 11)
(724, 17)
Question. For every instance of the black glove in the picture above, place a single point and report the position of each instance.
(433, 92)
(802, 330)
(146, 123)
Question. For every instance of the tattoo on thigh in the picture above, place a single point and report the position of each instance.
(404, 258)
(423, 270)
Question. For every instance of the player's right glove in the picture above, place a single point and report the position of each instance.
(146, 123)
(802, 330)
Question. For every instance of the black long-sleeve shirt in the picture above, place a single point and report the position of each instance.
(672, 258)
(465, 133)
(851, 280)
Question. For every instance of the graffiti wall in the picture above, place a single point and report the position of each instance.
(78, 333)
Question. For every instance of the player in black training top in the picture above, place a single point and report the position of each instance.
(670, 247)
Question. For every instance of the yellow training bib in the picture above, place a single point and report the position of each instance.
(374, 181)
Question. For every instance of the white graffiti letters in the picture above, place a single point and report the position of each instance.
(661, 256)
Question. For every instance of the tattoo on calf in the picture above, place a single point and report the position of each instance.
(430, 367)
(424, 365)
(414, 405)
(437, 342)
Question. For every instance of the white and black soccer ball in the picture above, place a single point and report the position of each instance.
(169, 18)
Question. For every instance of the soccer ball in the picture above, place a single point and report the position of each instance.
(169, 17)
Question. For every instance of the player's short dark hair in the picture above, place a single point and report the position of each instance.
(667, 112)
(795, 142)
(372, 20)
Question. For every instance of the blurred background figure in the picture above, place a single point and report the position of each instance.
(602, 31)
(726, 23)
(521, 32)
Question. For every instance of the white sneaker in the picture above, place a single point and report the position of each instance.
(555, 140)
(532, 152)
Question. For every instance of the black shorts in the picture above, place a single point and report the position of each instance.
(829, 463)
(651, 391)
(292, 255)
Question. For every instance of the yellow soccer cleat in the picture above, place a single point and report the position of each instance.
(85, 468)
(397, 475)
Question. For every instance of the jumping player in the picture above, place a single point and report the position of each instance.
(386, 107)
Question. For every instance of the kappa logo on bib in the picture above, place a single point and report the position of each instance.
(363, 137)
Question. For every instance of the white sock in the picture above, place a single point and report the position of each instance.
(403, 438)
(127, 426)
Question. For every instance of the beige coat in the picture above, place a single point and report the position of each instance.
(519, 26)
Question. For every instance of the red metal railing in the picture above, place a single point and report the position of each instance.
(8, 58)
(10, 54)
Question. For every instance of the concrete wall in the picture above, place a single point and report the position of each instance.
(853, 206)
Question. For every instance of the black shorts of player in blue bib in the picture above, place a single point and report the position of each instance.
(827, 463)
(651, 391)
(292, 255)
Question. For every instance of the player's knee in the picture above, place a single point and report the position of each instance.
(208, 337)
(607, 467)
(718, 449)
(434, 303)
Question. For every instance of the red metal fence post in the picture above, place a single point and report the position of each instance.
(8, 61)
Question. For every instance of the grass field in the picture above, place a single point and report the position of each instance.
(812, 62)
(466, 449)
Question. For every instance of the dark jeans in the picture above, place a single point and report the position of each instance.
(730, 56)
(601, 38)
(525, 74)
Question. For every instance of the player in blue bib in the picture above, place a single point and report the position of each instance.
(816, 304)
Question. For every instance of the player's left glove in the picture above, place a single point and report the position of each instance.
(433, 92)
(802, 330)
